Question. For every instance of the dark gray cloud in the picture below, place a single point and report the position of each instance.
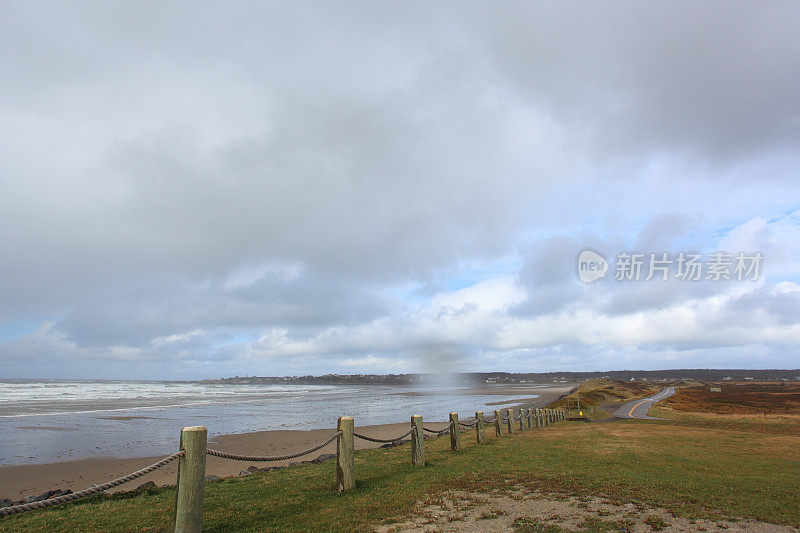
(169, 306)
(714, 80)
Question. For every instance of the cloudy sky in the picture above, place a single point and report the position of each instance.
(193, 191)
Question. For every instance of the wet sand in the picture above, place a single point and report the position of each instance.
(21, 481)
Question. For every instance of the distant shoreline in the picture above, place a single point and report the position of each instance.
(511, 378)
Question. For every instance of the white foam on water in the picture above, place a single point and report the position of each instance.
(24, 398)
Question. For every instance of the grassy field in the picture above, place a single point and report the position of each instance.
(697, 465)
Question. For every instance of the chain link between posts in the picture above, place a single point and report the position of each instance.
(16, 509)
(437, 431)
(373, 439)
(267, 458)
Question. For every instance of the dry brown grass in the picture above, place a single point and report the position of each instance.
(744, 399)
(597, 392)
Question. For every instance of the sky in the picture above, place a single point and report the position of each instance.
(192, 190)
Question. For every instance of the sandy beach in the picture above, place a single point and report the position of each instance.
(21, 481)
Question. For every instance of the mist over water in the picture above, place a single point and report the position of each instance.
(445, 380)
(441, 368)
(49, 421)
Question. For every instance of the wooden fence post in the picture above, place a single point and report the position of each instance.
(510, 413)
(480, 427)
(345, 455)
(498, 422)
(455, 434)
(539, 422)
(191, 480)
(417, 441)
(531, 418)
(522, 419)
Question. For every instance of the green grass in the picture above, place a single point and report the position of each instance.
(592, 413)
(694, 466)
(533, 525)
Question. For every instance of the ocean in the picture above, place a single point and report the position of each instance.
(58, 420)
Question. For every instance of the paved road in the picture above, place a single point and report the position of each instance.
(639, 408)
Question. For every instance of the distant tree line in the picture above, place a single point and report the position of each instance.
(468, 378)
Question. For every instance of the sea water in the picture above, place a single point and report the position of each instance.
(57, 420)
